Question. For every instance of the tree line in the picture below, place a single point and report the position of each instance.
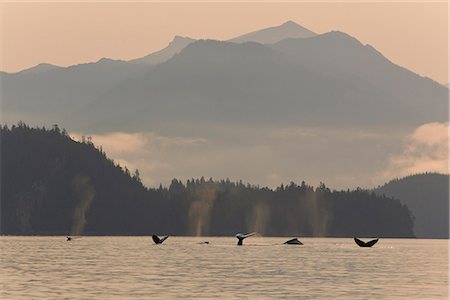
(53, 185)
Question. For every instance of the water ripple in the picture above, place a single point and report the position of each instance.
(135, 268)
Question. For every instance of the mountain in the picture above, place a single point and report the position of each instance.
(275, 34)
(427, 196)
(298, 82)
(40, 68)
(270, 35)
(175, 46)
(338, 54)
(328, 80)
(55, 94)
(53, 185)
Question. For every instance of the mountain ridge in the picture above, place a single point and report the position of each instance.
(40, 68)
(179, 42)
(274, 34)
(348, 87)
(175, 46)
(298, 81)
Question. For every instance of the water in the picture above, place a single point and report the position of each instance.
(135, 268)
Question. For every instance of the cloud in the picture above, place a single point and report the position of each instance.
(324, 134)
(342, 158)
(426, 149)
(154, 155)
(123, 143)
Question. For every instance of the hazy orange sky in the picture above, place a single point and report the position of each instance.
(411, 34)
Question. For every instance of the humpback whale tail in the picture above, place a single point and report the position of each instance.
(241, 237)
(294, 242)
(158, 240)
(364, 244)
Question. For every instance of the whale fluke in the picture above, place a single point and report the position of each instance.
(294, 242)
(241, 237)
(158, 240)
(364, 244)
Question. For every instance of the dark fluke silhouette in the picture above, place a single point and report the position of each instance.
(69, 238)
(294, 242)
(157, 240)
(364, 244)
(241, 237)
(204, 243)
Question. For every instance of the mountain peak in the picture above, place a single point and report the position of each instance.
(177, 44)
(40, 68)
(289, 23)
(340, 36)
(181, 38)
(104, 60)
(272, 35)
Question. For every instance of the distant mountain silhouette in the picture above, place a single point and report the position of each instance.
(275, 34)
(175, 46)
(58, 92)
(269, 35)
(365, 69)
(212, 81)
(427, 196)
(324, 80)
(40, 68)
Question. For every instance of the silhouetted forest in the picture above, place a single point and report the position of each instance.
(51, 184)
(427, 196)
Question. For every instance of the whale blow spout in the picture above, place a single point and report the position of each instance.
(293, 242)
(241, 237)
(364, 244)
(158, 240)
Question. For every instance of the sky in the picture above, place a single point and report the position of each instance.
(413, 34)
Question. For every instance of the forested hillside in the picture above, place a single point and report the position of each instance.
(51, 184)
(427, 196)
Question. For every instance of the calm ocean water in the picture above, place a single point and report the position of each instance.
(135, 268)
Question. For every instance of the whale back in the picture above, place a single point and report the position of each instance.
(293, 242)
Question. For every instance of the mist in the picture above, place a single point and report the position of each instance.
(318, 212)
(203, 198)
(259, 219)
(85, 193)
